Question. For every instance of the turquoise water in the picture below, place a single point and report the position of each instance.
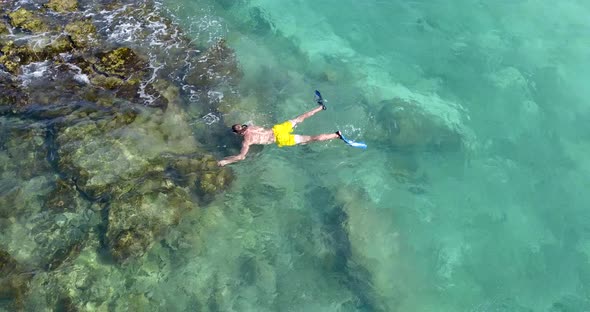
(500, 224)
(470, 197)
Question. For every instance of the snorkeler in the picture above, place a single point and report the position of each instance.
(280, 134)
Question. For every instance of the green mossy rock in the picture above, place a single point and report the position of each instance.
(62, 5)
(3, 29)
(109, 83)
(58, 45)
(120, 70)
(83, 33)
(27, 20)
(122, 62)
(15, 55)
(12, 56)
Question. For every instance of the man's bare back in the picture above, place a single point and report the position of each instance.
(258, 135)
(281, 134)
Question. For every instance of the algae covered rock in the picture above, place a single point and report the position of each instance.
(138, 218)
(201, 172)
(14, 55)
(121, 70)
(13, 284)
(62, 5)
(7, 264)
(96, 159)
(82, 33)
(56, 46)
(109, 156)
(27, 20)
(217, 65)
(121, 62)
(23, 151)
(45, 234)
(406, 125)
(12, 96)
(3, 28)
(43, 222)
(126, 167)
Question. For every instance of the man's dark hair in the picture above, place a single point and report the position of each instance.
(241, 128)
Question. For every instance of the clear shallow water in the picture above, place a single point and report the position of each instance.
(502, 224)
(497, 224)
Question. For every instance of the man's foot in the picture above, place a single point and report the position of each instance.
(322, 105)
(339, 134)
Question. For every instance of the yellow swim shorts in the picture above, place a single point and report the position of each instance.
(283, 134)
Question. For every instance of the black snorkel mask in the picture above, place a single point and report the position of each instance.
(241, 130)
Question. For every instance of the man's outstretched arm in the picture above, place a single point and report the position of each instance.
(233, 159)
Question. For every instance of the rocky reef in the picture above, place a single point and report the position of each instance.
(27, 21)
(13, 282)
(62, 5)
(3, 29)
(370, 253)
(405, 125)
(82, 33)
(98, 159)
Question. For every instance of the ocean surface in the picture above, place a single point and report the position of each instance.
(471, 196)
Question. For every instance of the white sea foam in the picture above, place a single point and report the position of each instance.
(33, 71)
(210, 119)
(154, 74)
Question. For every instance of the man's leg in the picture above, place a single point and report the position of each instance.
(302, 117)
(303, 139)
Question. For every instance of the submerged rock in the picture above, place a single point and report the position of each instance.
(13, 283)
(27, 20)
(7, 264)
(202, 173)
(3, 28)
(14, 55)
(94, 143)
(83, 33)
(43, 221)
(12, 96)
(62, 5)
(373, 249)
(217, 64)
(121, 70)
(407, 126)
(130, 167)
(22, 149)
(46, 233)
(141, 216)
(121, 62)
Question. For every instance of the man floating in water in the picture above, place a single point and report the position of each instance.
(281, 134)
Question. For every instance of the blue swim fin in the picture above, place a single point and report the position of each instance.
(320, 100)
(353, 143)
